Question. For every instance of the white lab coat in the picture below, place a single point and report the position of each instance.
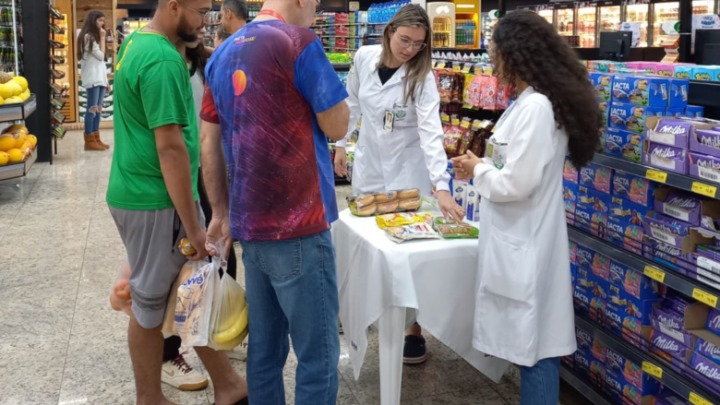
(524, 305)
(409, 156)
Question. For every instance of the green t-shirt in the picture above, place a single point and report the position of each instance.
(152, 89)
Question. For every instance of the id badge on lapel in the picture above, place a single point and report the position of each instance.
(497, 151)
(389, 121)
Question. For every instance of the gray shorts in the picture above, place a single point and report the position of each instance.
(151, 239)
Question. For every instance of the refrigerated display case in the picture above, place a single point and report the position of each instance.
(609, 18)
(663, 13)
(565, 21)
(703, 7)
(546, 14)
(586, 26)
(640, 14)
(442, 16)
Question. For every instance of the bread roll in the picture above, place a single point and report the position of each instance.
(385, 197)
(387, 207)
(411, 204)
(364, 200)
(406, 194)
(366, 210)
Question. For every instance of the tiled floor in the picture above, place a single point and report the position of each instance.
(61, 343)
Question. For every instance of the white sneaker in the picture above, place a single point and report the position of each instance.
(239, 352)
(179, 374)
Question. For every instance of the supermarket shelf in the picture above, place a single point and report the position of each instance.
(654, 270)
(675, 382)
(582, 387)
(13, 112)
(18, 169)
(680, 181)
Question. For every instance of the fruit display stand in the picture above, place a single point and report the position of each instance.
(21, 169)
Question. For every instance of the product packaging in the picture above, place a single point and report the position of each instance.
(472, 204)
(366, 205)
(632, 282)
(706, 73)
(677, 112)
(120, 297)
(570, 191)
(665, 229)
(570, 172)
(604, 107)
(229, 317)
(705, 141)
(680, 205)
(666, 157)
(640, 90)
(624, 144)
(669, 131)
(402, 218)
(672, 324)
(627, 117)
(450, 229)
(596, 200)
(193, 308)
(591, 221)
(704, 166)
(622, 232)
(694, 111)
(666, 347)
(678, 96)
(654, 112)
(596, 176)
(399, 234)
(665, 253)
(633, 188)
(684, 72)
(603, 84)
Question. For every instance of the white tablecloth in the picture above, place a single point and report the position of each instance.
(436, 278)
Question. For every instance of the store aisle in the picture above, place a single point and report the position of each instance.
(60, 342)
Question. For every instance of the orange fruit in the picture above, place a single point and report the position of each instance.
(33, 140)
(16, 155)
(20, 140)
(4, 158)
(7, 142)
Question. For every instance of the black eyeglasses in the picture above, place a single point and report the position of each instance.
(206, 18)
(406, 43)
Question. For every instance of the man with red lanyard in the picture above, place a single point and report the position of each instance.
(275, 96)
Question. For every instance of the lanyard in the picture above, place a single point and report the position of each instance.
(272, 13)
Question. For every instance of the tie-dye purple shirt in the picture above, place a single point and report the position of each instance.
(265, 85)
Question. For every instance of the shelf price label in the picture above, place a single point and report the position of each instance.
(652, 369)
(696, 399)
(441, 65)
(457, 68)
(655, 274)
(656, 175)
(704, 189)
(705, 297)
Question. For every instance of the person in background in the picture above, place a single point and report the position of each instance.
(233, 15)
(407, 152)
(154, 204)
(275, 97)
(524, 308)
(220, 36)
(91, 54)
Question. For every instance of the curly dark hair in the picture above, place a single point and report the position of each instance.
(531, 50)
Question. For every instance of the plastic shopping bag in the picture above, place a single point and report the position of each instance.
(193, 306)
(229, 320)
(169, 323)
(120, 299)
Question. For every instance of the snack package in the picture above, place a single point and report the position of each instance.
(466, 87)
(458, 86)
(366, 205)
(475, 92)
(453, 138)
(186, 272)
(120, 299)
(489, 93)
(229, 317)
(450, 229)
(402, 219)
(400, 234)
(445, 85)
(193, 307)
(468, 136)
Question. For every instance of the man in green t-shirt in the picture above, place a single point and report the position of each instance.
(152, 191)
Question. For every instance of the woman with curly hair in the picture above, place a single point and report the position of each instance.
(524, 304)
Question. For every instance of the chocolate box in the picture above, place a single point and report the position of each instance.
(684, 72)
(706, 73)
(624, 144)
(624, 233)
(573, 251)
(704, 166)
(604, 107)
(694, 111)
(570, 172)
(625, 209)
(614, 383)
(590, 220)
(709, 350)
(602, 83)
(708, 370)
(713, 322)
(654, 112)
(640, 309)
(688, 208)
(640, 90)
(704, 139)
(582, 295)
(669, 131)
(633, 188)
(593, 199)
(677, 112)
(570, 191)
(666, 347)
(633, 282)
(678, 93)
(584, 256)
(597, 177)
(665, 157)
(669, 255)
(627, 117)
(582, 363)
(665, 229)
(672, 324)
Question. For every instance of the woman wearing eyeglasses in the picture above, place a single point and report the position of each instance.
(401, 138)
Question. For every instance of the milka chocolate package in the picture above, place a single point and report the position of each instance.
(665, 229)
(667, 347)
(713, 321)
(680, 205)
(665, 157)
(708, 350)
(670, 131)
(672, 325)
(706, 142)
(704, 166)
(709, 372)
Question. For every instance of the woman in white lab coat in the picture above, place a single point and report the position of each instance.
(401, 138)
(524, 304)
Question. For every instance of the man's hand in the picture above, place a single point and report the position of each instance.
(464, 166)
(449, 207)
(197, 240)
(219, 232)
(340, 162)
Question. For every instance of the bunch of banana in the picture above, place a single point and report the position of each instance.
(234, 328)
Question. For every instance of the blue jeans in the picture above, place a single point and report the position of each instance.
(540, 384)
(95, 97)
(292, 289)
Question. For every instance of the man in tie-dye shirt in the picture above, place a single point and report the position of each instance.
(275, 96)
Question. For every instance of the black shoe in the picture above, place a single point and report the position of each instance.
(414, 351)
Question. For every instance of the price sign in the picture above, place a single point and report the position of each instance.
(656, 175)
(704, 297)
(696, 399)
(655, 274)
(441, 65)
(457, 68)
(704, 189)
(466, 68)
(652, 369)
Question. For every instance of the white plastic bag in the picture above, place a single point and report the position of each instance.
(229, 320)
(120, 299)
(193, 308)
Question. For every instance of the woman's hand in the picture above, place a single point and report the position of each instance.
(103, 34)
(464, 166)
(340, 162)
(448, 206)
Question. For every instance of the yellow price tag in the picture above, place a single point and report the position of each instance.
(457, 68)
(652, 369)
(441, 65)
(696, 399)
(466, 68)
(444, 117)
(455, 121)
(655, 274)
(656, 175)
(705, 297)
(704, 189)
(465, 124)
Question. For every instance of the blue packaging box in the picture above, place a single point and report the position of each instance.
(627, 117)
(633, 188)
(678, 112)
(640, 309)
(582, 363)
(585, 340)
(597, 177)
(625, 234)
(628, 210)
(640, 90)
(615, 360)
(694, 111)
(584, 256)
(624, 144)
(573, 274)
(684, 72)
(582, 296)
(614, 383)
(590, 220)
(655, 111)
(570, 191)
(706, 73)
(602, 83)
(678, 96)
(604, 107)
(633, 282)
(593, 199)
